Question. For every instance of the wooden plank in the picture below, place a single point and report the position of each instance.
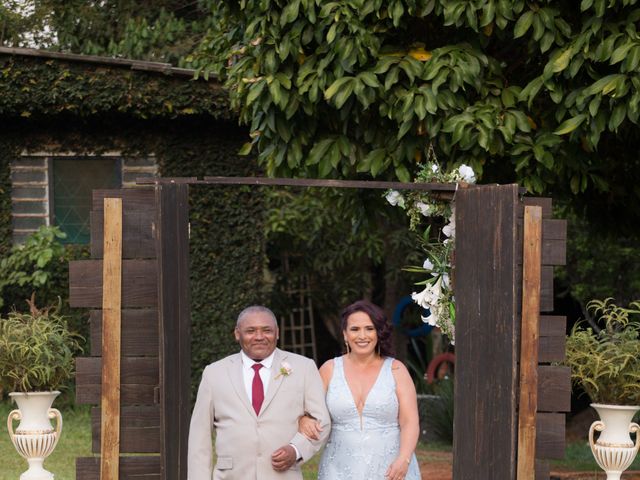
(486, 321)
(550, 438)
(139, 332)
(554, 388)
(552, 339)
(139, 379)
(111, 304)
(134, 198)
(529, 335)
(139, 283)
(543, 471)
(131, 468)
(139, 430)
(175, 327)
(137, 233)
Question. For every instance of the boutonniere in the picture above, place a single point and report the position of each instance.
(285, 370)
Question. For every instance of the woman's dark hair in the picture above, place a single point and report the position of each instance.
(379, 320)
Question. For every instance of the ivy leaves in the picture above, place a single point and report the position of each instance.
(342, 88)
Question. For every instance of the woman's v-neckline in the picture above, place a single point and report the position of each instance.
(366, 398)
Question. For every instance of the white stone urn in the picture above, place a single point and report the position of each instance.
(35, 438)
(614, 450)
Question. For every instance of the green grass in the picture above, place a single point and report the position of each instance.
(76, 442)
(578, 457)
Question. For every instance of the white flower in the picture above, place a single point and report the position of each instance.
(424, 208)
(285, 370)
(445, 280)
(449, 229)
(395, 198)
(428, 265)
(435, 168)
(434, 316)
(467, 174)
(430, 296)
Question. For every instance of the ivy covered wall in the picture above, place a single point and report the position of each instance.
(56, 106)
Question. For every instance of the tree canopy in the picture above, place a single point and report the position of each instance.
(542, 93)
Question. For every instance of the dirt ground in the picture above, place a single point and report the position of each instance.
(438, 467)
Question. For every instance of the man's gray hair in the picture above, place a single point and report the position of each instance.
(256, 309)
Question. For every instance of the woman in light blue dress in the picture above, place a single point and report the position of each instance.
(372, 402)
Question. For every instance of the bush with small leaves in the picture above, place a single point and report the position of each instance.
(36, 350)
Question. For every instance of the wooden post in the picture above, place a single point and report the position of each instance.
(529, 339)
(111, 305)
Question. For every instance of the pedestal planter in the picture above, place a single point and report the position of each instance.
(614, 450)
(35, 438)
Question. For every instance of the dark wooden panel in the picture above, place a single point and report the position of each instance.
(134, 198)
(139, 379)
(139, 332)
(545, 202)
(554, 252)
(139, 430)
(131, 468)
(542, 470)
(137, 233)
(554, 388)
(486, 295)
(139, 285)
(174, 315)
(550, 436)
(553, 325)
(552, 339)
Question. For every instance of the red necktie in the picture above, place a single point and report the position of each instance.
(257, 389)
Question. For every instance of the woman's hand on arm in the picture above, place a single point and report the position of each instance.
(309, 427)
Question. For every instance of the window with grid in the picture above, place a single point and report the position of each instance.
(72, 181)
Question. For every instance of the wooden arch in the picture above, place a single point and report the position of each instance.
(508, 419)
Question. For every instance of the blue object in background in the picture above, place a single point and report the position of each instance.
(420, 331)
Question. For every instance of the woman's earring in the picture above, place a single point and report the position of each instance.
(346, 344)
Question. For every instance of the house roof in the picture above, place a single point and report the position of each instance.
(165, 68)
(41, 84)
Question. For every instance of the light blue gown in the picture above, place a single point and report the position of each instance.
(363, 449)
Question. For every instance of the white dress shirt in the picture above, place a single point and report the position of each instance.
(248, 373)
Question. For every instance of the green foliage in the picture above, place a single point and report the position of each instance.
(436, 412)
(607, 363)
(34, 88)
(36, 350)
(28, 264)
(159, 30)
(350, 244)
(601, 262)
(543, 94)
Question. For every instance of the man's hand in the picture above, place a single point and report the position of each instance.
(283, 458)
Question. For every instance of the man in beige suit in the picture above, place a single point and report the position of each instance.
(252, 401)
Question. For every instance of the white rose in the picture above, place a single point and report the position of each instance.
(395, 198)
(424, 208)
(467, 174)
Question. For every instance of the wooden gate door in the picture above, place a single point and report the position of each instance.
(488, 289)
(154, 366)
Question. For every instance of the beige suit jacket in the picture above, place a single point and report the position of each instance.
(244, 441)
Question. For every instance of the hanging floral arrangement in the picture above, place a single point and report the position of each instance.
(437, 296)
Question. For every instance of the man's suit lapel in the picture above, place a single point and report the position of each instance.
(235, 375)
(274, 383)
